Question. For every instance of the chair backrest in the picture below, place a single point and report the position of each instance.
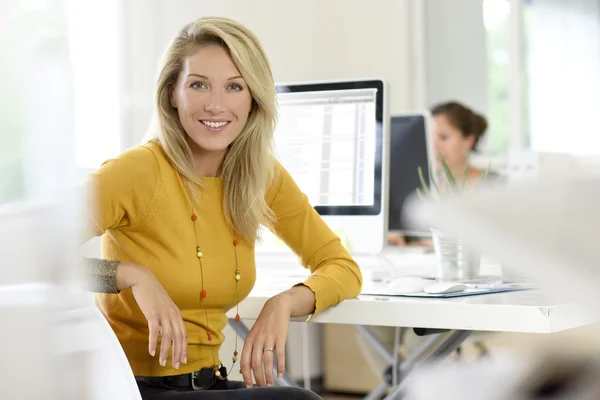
(112, 377)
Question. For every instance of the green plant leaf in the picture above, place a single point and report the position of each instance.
(432, 180)
(448, 173)
(422, 179)
(420, 194)
(486, 172)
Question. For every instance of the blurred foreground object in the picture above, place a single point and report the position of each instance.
(552, 376)
(47, 318)
(545, 230)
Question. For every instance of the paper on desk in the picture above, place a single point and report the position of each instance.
(382, 289)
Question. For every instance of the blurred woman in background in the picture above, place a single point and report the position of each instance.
(457, 131)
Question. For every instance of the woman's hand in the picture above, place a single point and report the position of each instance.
(266, 340)
(270, 331)
(396, 239)
(161, 312)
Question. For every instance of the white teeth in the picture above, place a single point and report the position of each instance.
(215, 124)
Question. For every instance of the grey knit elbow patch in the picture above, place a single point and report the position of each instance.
(103, 275)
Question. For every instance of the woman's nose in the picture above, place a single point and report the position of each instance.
(214, 103)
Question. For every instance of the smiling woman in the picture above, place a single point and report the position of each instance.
(241, 59)
(179, 217)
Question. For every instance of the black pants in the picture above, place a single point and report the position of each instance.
(225, 390)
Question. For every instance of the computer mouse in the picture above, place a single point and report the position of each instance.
(408, 284)
(444, 287)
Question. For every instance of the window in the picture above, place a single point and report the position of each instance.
(495, 18)
(94, 44)
(63, 76)
(564, 84)
(32, 117)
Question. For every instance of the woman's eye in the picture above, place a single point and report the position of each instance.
(197, 85)
(235, 87)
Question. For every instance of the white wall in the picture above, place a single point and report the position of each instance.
(304, 40)
(456, 53)
(565, 76)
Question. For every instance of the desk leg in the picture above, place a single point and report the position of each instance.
(242, 331)
(375, 343)
(376, 393)
(403, 366)
(413, 358)
(443, 351)
(451, 344)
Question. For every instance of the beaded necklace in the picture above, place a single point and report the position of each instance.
(203, 295)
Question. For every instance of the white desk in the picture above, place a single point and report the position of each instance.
(529, 311)
(525, 312)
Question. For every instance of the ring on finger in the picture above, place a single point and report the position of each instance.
(268, 349)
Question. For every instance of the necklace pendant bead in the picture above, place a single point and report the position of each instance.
(237, 319)
(199, 254)
(235, 242)
(194, 218)
(203, 294)
(238, 277)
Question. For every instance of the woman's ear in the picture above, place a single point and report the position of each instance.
(173, 98)
(471, 141)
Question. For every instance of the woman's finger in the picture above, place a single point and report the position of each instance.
(167, 338)
(184, 341)
(268, 357)
(177, 339)
(245, 367)
(257, 365)
(280, 353)
(153, 328)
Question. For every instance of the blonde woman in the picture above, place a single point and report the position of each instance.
(179, 217)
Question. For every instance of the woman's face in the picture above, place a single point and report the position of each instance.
(212, 99)
(450, 143)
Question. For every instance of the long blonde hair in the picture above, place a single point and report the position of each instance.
(247, 168)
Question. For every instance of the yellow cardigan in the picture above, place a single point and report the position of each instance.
(144, 216)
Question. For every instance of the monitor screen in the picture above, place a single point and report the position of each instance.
(329, 137)
(408, 152)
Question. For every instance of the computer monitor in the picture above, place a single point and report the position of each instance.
(331, 138)
(410, 148)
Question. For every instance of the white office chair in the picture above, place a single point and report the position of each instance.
(77, 347)
(112, 377)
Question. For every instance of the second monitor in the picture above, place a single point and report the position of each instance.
(410, 149)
